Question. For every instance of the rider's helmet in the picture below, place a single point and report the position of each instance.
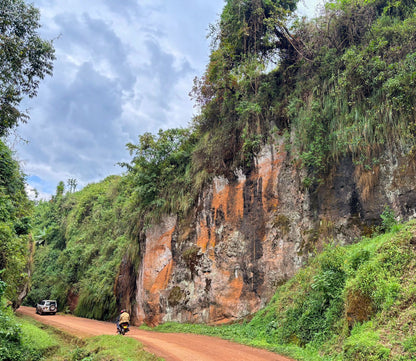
(122, 311)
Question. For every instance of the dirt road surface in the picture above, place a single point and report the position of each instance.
(170, 346)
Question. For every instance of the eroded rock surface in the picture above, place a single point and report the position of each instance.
(251, 233)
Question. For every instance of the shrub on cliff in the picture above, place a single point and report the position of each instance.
(159, 173)
(343, 84)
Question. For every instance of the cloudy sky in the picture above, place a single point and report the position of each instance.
(124, 67)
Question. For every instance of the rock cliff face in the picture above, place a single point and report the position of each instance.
(252, 233)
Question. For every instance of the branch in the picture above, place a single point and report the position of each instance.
(292, 40)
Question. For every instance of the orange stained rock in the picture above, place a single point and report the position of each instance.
(157, 262)
(230, 200)
(268, 170)
(162, 279)
(227, 199)
(203, 236)
(205, 240)
(230, 297)
(227, 301)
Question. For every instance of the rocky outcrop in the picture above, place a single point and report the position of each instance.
(250, 234)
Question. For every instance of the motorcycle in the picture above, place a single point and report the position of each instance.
(123, 328)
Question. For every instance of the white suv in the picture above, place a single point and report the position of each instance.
(47, 306)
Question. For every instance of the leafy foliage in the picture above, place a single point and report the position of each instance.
(25, 59)
(359, 92)
(251, 27)
(14, 345)
(344, 84)
(82, 238)
(15, 212)
(160, 171)
(238, 99)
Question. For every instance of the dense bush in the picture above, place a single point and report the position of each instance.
(15, 223)
(81, 240)
(159, 173)
(13, 345)
(344, 84)
(359, 93)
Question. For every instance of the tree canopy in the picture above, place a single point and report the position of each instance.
(160, 169)
(25, 59)
(15, 211)
(254, 27)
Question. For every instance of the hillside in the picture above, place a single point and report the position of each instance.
(81, 241)
(305, 139)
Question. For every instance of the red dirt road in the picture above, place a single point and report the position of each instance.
(172, 346)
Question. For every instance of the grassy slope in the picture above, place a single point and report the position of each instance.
(349, 303)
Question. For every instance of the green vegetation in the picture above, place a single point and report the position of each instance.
(350, 303)
(15, 242)
(115, 348)
(25, 59)
(82, 238)
(359, 99)
(159, 173)
(344, 84)
(341, 85)
(19, 339)
(13, 344)
(48, 344)
(37, 340)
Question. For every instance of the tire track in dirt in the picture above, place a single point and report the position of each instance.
(170, 346)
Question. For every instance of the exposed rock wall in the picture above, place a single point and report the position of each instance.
(252, 233)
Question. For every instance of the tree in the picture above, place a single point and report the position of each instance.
(159, 168)
(25, 59)
(72, 184)
(15, 211)
(60, 188)
(234, 94)
(247, 35)
(254, 27)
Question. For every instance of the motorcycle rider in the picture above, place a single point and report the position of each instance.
(124, 317)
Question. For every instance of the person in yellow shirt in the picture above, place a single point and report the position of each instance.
(124, 317)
